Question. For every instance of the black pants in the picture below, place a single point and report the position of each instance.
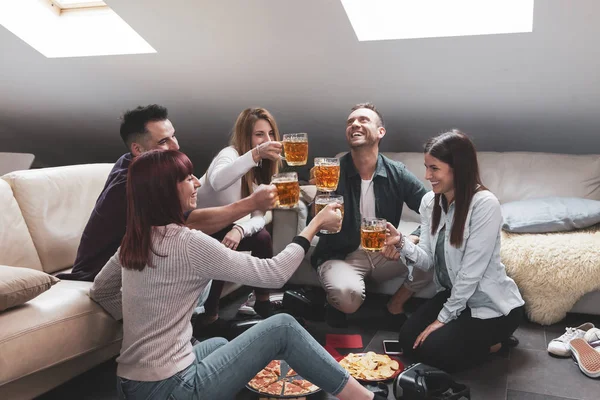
(259, 244)
(460, 344)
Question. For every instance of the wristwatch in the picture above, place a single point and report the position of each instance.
(400, 245)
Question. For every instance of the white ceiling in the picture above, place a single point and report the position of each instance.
(301, 60)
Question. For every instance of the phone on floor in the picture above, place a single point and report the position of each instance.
(392, 347)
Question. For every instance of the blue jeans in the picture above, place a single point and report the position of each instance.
(223, 368)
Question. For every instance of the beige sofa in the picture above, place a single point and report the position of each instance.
(511, 176)
(61, 333)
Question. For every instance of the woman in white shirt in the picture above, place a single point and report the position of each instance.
(477, 306)
(251, 159)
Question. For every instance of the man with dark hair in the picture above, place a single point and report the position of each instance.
(143, 129)
(372, 186)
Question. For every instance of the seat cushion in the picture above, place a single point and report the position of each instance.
(550, 214)
(16, 246)
(19, 285)
(58, 325)
(56, 204)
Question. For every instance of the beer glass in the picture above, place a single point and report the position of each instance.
(372, 234)
(288, 189)
(327, 174)
(295, 147)
(321, 202)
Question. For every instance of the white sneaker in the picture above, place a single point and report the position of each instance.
(560, 346)
(593, 337)
(248, 307)
(587, 358)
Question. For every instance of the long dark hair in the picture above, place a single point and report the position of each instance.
(456, 149)
(152, 201)
(241, 140)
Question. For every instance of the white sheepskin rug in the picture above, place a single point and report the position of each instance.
(553, 270)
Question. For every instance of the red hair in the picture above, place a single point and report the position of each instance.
(152, 201)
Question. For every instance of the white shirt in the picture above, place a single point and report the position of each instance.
(222, 185)
(367, 199)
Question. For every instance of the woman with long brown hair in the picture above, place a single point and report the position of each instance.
(251, 159)
(153, 282)
(477, 306)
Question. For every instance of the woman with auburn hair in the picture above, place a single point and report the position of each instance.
(251, 159)
(156, 277)
(477, 306)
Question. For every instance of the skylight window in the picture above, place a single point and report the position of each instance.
(410, 19)
(62, 6)
(69, 28)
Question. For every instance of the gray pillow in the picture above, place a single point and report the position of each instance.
(550, 214)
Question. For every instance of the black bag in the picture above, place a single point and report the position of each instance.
(422, 382)
(304, 303)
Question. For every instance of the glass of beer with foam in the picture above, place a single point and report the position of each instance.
(327, 173)
(321, 202)
(295, 147)
(372, 234)
(288, 189)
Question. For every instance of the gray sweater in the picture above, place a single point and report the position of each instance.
(156, 304)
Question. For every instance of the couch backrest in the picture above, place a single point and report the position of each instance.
(16, 245)
(523, 175)
(56, 204)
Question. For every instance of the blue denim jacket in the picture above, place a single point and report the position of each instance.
(478, 277)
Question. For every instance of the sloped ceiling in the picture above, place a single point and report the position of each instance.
(302, 61)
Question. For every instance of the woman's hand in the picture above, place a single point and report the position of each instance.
(434, 326)
(233, 238)
(393, 236)
(330, 217)
(267, 151)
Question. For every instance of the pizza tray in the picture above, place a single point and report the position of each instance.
(284, 370)
(398, 371)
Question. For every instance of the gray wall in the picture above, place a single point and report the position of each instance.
(301, 60)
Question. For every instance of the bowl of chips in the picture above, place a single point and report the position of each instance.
(371, 367)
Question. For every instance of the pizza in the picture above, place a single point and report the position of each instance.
(291, 389)
(274, 388)
(304, 384)
(271, 382)
(274, 366)
(262, 379)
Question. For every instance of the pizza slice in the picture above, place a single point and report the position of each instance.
(303, 383)
(291, 389)
(291, 372)
(274, 366)
(262, 379)
(274, 388)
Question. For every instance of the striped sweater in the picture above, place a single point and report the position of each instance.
(156, 304)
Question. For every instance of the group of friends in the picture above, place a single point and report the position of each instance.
(159, 239)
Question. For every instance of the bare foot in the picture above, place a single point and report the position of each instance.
(496, 348)
(396, 303)
(395, 308)
(207, 319)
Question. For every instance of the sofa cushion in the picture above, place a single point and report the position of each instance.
(16, 245)
(19, 285)
(550, 214)
(58, 325)
(56, 204)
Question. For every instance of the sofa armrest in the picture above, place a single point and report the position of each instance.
(308, 193)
